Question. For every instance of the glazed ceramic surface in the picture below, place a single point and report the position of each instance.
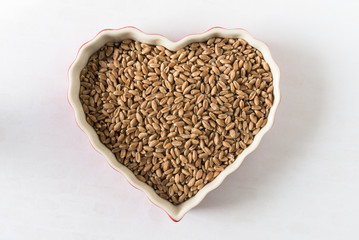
(113, 35)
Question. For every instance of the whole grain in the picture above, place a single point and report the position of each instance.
(177, 119)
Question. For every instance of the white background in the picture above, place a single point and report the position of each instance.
(301, 183)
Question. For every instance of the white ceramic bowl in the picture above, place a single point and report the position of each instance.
(113, 35)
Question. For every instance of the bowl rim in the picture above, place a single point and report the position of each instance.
(175, 212)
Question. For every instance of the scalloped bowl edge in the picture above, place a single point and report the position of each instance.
(176, 213)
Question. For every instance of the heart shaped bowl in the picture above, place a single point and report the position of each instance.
(175, 212)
